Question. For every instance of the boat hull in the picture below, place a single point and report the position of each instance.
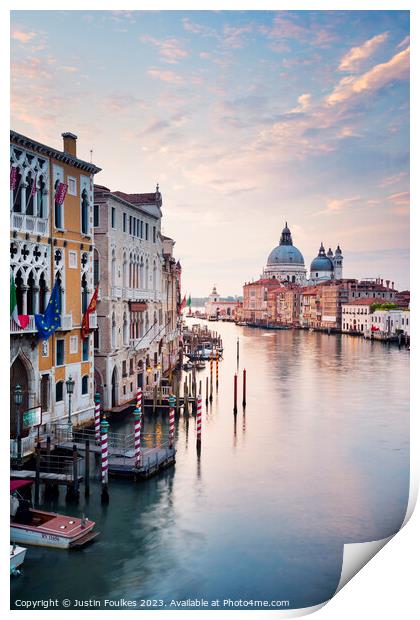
(17, 557)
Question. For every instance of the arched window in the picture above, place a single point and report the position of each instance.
(125, 280)
(31, 302)
(85, 384)
(141, 324)
(146, 275)
(125, 330)
(20, 292)
(42, 294)
(142, 273)
(113, 332)
(58, 209)
(59, 391)
(85, 293)
(154, 275)
(29, 195)
(96, 267)
(40, 199)
(147, 322)
(85, 212)
(17, 194)
(113, 269)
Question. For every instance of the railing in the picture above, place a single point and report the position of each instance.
(27, 446)
(28, 223)
(30, 328)
(66, 322)
(162, 392)
(59, 464)
(116, 292)
(93, 320)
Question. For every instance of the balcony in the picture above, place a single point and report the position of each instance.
(116, 292)
(29, 329)
(93, 320)
(29, 224)
(66, 322)
(145, 341)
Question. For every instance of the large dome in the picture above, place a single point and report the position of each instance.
(285, 255)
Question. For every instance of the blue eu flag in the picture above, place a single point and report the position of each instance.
(49, 322)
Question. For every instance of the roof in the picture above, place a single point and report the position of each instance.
(139, 201)
(285, 255)
(366, 301)
(49, 151)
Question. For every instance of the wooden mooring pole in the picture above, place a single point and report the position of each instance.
(244, 389)
(37, 473)
(207, 390)
(235, 393)
(87, 468)
(75, 489)
(104, 464)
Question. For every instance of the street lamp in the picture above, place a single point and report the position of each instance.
(18, 396)
(70, 389)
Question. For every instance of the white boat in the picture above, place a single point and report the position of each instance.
(17, 557)
(45, 529)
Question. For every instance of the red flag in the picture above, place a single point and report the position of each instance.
(182, 305)
(13, 177)
(91, 308)
(60, 193)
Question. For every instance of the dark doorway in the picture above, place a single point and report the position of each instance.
(18, 376)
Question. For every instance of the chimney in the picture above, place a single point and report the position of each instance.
(69, 143)
(387, 283)
(382, 281)
(392, 285)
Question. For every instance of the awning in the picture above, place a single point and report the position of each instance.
(17, 484)
(136, 306)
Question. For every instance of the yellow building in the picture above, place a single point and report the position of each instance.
(50, 239)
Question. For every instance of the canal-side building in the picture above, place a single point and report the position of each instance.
(255, 308)
(51, 240)
(218, 307)
(171, 300)
(135, 311)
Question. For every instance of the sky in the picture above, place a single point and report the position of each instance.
(247, 119)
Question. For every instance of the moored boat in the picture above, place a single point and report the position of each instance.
(45, 529)
(17, 557)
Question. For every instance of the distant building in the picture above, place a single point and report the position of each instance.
(256, 308)
(216, 307)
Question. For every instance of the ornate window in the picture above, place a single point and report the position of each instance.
(59, 391)
(85, 384)
(85, 212)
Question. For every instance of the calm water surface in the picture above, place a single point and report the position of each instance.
(319, 459)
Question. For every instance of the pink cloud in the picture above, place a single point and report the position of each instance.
(23, 36)
(171, 49)
(352, 60)
(397, 68)
(166, 76)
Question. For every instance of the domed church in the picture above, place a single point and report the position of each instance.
(286, 263)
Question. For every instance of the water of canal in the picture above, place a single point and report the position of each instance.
(319, 458)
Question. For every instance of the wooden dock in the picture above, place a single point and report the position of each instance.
(153, 461)
(44, 476)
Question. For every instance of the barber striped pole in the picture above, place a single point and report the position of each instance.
(97, 417)
(217, 368)
(104, 450)
(137, 437)
(139, 398)
(199, 419)
(171, 401)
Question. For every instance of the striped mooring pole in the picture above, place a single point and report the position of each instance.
(104, 466)
(97, 417)
(199, 406)
(171, 401)
(139, 398)
(217, 369)
(137, 437)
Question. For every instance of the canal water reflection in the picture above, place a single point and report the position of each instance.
(319, 458)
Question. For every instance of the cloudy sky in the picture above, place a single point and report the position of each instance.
(246, 119)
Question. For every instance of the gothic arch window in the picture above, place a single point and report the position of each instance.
(142, 285)
(113, 269)
(96, 267)
(85, 293)
(58, 209)
(20, 292)
(40, 197)
(85, 384)
(42, 294)
(17, 194)
(31, 295)
(125, 330)
(113, 331)
(154, 275)
(85, 212)
(125, 283)
(146, 274)
(130, 275)
(30, 198)
(59, 392)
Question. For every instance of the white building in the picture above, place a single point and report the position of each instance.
(215, 307)
(135, 312)
(357, 317)
(386, 323)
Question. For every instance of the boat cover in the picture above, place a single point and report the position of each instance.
(18, 484)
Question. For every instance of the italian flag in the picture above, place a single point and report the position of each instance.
(22, 320)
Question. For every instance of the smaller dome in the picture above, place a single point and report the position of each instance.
(322, 263)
